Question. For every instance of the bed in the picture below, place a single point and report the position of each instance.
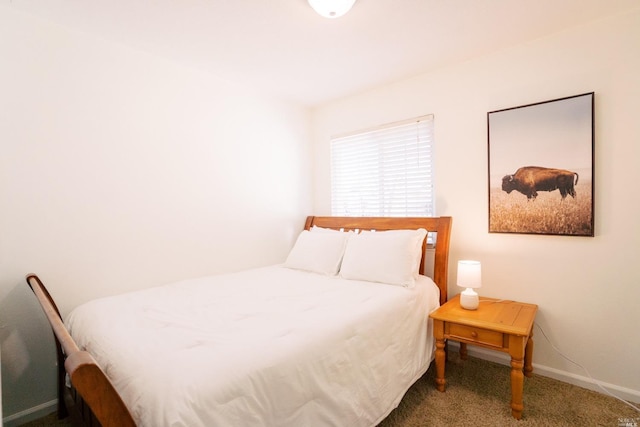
(333, 336)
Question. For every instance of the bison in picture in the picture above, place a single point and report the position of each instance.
(531, 179)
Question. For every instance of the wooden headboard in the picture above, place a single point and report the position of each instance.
(438, 227)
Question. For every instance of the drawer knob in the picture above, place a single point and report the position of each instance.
(474, 334)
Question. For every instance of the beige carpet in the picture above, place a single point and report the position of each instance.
(478, 394)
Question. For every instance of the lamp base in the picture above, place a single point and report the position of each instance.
(469, 299)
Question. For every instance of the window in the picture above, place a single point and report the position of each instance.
(386, 171)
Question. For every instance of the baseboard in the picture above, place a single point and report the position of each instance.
(624, 393)
(30, 414)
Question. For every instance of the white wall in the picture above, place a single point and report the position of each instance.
(587, 289)
(119, 170)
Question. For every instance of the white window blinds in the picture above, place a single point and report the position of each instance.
(387, 171)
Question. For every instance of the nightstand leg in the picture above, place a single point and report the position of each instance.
(517, 384)
(463, 351)
(528, 357)
(441, 355)
(516, 350)
(440, 363)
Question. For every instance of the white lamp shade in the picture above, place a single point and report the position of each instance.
(331, 8)
(469, 277)
(469, 274)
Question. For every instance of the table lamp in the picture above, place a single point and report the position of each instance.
(469, 277)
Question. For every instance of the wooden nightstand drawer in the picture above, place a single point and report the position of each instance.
(478, 335)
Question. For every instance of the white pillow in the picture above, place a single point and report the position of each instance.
(318, 252)
(391, 257)
(317, 229)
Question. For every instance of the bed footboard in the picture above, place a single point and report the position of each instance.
(101, 404)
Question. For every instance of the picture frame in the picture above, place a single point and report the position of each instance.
(541, 167)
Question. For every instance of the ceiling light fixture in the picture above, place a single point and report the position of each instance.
(331, 8)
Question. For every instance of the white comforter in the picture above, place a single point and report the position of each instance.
(265, 347)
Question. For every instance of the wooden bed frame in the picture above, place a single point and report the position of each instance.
(92, 400)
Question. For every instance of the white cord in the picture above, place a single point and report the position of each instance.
(586, 371)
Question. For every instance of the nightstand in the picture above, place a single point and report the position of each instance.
(500, 325)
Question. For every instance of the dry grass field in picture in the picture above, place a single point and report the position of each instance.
(547, 214)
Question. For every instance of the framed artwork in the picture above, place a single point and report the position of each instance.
(541, 164)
